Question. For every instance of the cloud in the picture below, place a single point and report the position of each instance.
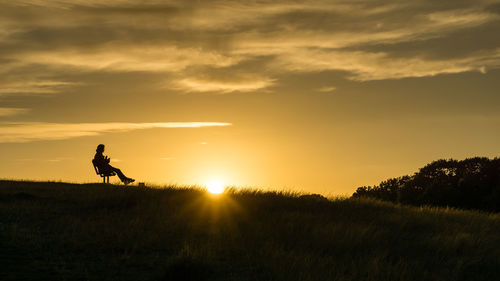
(416, 28)
(365, 66)
(34, 87)
(327, 89)
(129, 58)
(190, 39)
(50, 160)
(26, 132)
(7, 111)
(246, 85)
(65, 4)
(58, 159)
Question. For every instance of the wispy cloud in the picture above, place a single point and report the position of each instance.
(7, 111)
(57, 160)
(26, 132)
(199, 85)
(152, 58)
(50, 160)
(34, 87)
(327, 89)
(365, 66)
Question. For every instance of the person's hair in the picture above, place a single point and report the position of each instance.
(100, 148)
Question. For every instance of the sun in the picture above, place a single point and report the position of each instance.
(215, 187)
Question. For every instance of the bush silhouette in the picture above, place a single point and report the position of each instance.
(473, 183)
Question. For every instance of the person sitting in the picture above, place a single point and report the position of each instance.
(103, 163)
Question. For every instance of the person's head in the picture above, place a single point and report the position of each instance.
(100, 148)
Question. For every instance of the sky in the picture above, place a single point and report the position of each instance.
(311, 96)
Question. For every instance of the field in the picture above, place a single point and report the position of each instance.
(59, 231)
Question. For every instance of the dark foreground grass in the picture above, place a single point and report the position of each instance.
(57, 231)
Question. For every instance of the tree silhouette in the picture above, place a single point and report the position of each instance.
(473, 183)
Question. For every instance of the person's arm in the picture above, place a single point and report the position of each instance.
(100, 159)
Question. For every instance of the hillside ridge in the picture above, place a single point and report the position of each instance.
(105, 232)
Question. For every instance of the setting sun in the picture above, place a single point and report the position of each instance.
(215, 187)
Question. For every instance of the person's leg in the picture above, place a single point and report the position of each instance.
(119, 173)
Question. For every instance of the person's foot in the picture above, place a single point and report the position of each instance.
(128, 180)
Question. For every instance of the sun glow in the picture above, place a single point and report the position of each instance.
(215, 187)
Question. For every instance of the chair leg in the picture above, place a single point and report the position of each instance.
(107, 178)
(103, 179)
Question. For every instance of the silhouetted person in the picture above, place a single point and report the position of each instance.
(102, 162)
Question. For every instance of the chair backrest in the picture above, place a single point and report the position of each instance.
(95, 167)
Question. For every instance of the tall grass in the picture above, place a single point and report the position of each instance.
(57, 231)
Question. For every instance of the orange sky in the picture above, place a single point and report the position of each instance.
(315, 96)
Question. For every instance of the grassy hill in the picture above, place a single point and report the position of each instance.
(58, 231)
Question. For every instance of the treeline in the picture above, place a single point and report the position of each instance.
(473, 183)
